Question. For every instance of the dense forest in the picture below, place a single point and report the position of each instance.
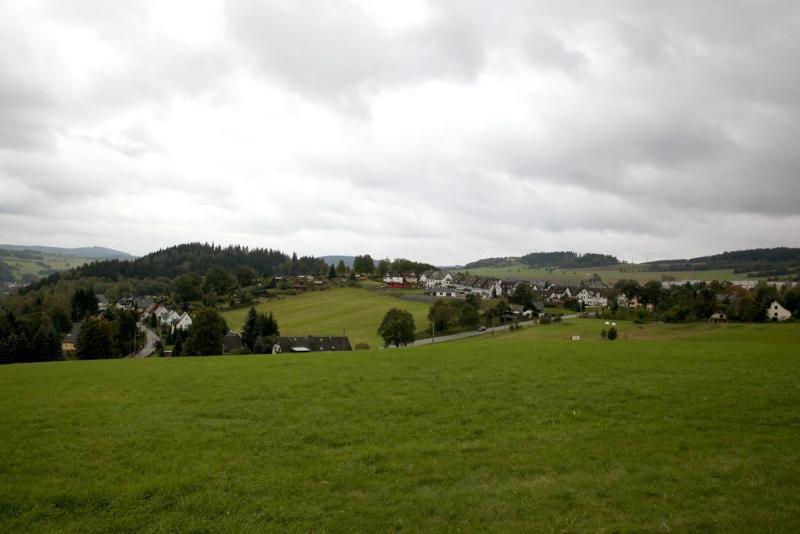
(491, 262)
(567, 260)
(199, 258)
(758, 261)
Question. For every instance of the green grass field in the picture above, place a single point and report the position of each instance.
(674, 429)
(21, 267)
(609, 274)
(357, 312)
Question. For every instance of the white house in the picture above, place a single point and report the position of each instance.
(444, 292)
(161, 312)
(393, 279)
(438, 279)
(183, 322)
(776, 312)
(591, 298)
(423, 278)
(170, 317)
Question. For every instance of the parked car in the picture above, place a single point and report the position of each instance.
(481, 328)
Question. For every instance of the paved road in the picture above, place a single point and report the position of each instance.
(150, 340)
(462, 335)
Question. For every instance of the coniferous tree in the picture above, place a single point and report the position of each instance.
(94, 340)
(206, 333)
(46, 344)
(250, 331)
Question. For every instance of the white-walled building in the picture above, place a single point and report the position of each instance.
(776, 312)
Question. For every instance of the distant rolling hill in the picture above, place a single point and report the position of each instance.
(93, 253)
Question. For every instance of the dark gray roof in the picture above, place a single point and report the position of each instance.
(313, 343)
(231, 342)
(72, 337)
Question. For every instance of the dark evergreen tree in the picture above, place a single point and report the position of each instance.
(206, 333)
(47, 343)
(84, 303)
(94, 340)
(251, 329)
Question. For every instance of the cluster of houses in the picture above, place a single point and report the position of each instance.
(166, 316)
(458, 284)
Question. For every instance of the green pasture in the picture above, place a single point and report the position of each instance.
(667, 429)
(353, 311)
(609, 274)
(21, 267)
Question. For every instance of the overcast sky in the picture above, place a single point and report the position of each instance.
(441, 131)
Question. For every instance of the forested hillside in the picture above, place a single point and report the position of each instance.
(758, 261)
(567, 260)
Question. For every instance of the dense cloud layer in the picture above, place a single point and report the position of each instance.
(441, 131)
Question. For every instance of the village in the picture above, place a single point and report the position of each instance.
(161, 325)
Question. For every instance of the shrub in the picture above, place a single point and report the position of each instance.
(612, 333)
(603, 333)
(362, 346)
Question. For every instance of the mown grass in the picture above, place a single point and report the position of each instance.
(354, 311)
(515, 432)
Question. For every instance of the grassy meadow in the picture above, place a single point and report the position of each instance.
(354, 311)
(609, 274)
(669, 428)
(21, 267)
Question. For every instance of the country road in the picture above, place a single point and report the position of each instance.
(472, 333)
(460, 335)
(151, 338)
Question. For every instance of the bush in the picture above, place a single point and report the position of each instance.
(545, 319)
(362, 346)
(612, 333)
(557, 319)
(603, 333)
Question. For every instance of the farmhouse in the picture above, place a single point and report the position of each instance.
(183, 322)
(556, 294)
(591, 298)
(438, 279)
(311, 344)
(718, 317)
(70, 341)
(231, 343)
(776, 312)
(102, 303)
(444, 292)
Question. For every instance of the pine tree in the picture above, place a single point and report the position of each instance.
(94, 341)
(206, 333)
(332, 272)
(251, 329)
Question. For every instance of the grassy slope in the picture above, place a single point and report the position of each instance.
(515, 432)
(25, 266)
(357, 311)
(608, 274)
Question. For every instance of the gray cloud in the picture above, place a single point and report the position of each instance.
(642, 129)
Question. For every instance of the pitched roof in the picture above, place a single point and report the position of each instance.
(72, 337)
(312, 343)
(231, 342)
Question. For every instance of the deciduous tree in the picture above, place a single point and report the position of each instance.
(397, 328)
